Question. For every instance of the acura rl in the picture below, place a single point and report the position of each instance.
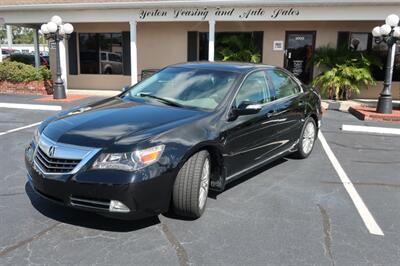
(164, 142)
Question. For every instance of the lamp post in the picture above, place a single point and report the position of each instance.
(56, 31)
(388, 33)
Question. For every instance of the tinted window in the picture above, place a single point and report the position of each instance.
(114, 57)
(254, 89)
(200, 88)
(93, 48)
(283, 84)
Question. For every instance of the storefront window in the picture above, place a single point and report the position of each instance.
(381, 52)
(359, 41)
(233, 46)
(377, 53)
(101, 53)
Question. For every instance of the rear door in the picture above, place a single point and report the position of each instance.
(289, 107)
(249, 139)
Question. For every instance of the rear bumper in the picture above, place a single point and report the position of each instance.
(93, 190)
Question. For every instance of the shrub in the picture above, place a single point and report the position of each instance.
(23, 58)
(341, 81)
(19, 72)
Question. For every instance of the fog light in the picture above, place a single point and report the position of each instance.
(29, 153)
(116, 206)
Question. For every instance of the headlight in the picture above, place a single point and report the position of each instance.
(36, 136)
(129, 161)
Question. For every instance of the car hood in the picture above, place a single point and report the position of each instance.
(110, 121)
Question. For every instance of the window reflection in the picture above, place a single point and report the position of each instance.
(101, 53)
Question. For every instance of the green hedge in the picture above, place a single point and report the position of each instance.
(20, 72)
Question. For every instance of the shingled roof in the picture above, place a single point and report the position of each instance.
(197, 2)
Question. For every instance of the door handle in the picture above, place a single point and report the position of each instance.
(271, 113)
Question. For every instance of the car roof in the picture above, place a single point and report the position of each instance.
(223, 66)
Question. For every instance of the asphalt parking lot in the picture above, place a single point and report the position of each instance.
(292, 212)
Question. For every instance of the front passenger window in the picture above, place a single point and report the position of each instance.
(254, 89)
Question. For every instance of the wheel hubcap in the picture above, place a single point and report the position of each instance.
(205, 179)
(308, 138)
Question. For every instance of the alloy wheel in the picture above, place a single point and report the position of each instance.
(204, 183)
(308, 138)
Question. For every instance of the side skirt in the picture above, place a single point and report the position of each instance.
(237, 175)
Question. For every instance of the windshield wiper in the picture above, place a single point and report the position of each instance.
(163, 100)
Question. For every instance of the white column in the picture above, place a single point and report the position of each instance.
(63, 63)
(36, 47)
(134, 68)
(9, 36)
(211, 40)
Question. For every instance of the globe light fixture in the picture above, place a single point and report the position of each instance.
(376, 32)
(44, 29)
(56, 19)
(68, 28)
(52, 27)
(396, 32)
(392, 20)
(55, 31)
(385, 29)
(388, 33)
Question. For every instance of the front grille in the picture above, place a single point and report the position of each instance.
(90, 203)
(54, 165)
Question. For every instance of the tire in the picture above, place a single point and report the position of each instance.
(191, 185)
(307, 139)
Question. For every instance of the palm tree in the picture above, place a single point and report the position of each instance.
(341, 81)
(344, 71)
(237, 47)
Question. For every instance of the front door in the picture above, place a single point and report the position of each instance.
(298, 53)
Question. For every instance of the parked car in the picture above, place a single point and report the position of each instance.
(110, 63)
(164, 142)
(28, 59)
(6, 52)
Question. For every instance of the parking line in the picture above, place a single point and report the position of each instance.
(19, 128)
(31, 106)
(362, 209)
(366, 129)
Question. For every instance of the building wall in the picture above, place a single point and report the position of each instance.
(163, 43)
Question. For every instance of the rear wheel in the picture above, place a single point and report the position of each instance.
(307, 139)
(191, 186)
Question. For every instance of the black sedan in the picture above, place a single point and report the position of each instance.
(166, 141)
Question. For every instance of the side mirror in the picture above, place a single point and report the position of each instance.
(246, 108)
(125, 88)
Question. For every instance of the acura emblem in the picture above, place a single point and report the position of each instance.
(52, 150)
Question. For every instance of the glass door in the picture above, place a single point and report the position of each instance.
(298, 53)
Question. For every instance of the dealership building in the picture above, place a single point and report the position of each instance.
(116, 42)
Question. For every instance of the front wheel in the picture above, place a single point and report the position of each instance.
(307, 139)
(191, 185)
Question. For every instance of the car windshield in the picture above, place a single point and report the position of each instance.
(185, 87)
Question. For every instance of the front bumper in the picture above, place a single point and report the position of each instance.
(146, 192)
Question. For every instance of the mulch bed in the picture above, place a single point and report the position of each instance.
(36, 87)
(369, 113)
(70, 98)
